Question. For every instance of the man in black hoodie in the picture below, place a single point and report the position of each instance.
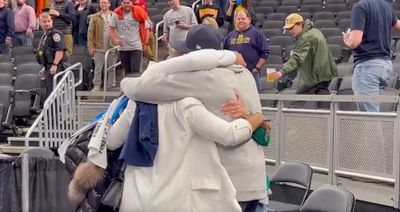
(6, 28)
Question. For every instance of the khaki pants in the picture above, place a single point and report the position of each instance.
(150, 51)
(69, 42)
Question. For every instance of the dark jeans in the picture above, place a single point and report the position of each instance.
(253, 206)
(131, 61)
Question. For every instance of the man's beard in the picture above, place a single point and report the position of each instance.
(19, 4)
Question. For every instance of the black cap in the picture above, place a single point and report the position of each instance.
(199, 37)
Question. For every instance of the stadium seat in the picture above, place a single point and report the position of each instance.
(271, 4)
(324, 23)
(336, 7)
(345, 69)
(27, 95)
(264, 10)
(5, 79)
(273, 24)
(6, 67)
(290, 3)
(274, 59)
(343, 15)
(269, 33)
(275, 50)
(153, 11)
(336, 51)
(21, 59)
(286, 9)
(337, 39)
(323, 16)
(22, 50)
(311, 2)
(6, 108)
(328, 32)
(329, 199)
(345, 89)
(335, 1)
(260, 19)
(305, 15)
(4, 58)
(79, 50)
(276, 17)
(311, 8)
(282, 199)
(29, 68)
(344, 24)
(281, 40)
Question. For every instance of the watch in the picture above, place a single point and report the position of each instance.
(258, 69)
(55, 64)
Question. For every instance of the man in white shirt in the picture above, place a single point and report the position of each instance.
(177, 21)
(180, 77)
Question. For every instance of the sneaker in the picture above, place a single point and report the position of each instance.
(96, 88)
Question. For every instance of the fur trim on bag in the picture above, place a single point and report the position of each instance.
(87, 175)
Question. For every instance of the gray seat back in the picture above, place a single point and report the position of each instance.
(26, 85)
(295, 173)
(22, 50)
(29, 68)
(6, 67)
(329, 199)
(38, 152)
(5, 79)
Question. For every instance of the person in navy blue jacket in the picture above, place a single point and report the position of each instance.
(6, 28)
(250, 42)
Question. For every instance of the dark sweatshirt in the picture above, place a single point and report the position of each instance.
(6, 24)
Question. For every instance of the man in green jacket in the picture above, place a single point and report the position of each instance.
(311, 57)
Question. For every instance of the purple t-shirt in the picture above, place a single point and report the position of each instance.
(251, 43)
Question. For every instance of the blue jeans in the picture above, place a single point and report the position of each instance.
(368, 78)
(253, 206)
(257, 78)
(21, 39)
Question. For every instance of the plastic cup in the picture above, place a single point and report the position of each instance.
(269, 74)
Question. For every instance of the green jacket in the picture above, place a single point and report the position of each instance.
(312, 58)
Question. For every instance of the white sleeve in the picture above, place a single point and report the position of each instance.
(156, 83)
(214, 128)
(118, 132)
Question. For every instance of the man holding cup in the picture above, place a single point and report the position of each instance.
(311, 57)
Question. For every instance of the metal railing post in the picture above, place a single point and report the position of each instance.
(115, 48)
(157, 38)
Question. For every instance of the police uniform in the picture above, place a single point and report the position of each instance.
(51, 42)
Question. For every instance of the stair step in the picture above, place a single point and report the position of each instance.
(9, 149)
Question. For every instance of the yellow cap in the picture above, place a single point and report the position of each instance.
(292, 19)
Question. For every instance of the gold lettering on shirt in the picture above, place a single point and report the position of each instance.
(241, 39)
(208, 11)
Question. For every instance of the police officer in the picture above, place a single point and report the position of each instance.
(51, 50)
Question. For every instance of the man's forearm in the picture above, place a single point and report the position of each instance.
(260, 63)
(58, 57)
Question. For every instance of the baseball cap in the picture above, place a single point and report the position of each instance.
(292, 19)
(199, 37)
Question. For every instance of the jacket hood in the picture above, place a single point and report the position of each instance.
(307, 26)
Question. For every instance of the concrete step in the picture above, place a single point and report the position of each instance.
(9, 149)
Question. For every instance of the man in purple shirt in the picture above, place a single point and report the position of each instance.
(250, 42)
(25, 21)
(6, 28)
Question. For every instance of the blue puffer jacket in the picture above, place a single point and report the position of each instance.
(6, 24)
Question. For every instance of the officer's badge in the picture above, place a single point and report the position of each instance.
(56, 37)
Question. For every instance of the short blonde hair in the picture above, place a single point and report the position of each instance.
(210, 21)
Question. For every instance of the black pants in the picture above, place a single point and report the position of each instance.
(318, 89)
(131, 61)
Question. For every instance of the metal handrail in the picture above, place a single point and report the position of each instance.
(157, 38)
(70, 68)
(106, 68)
(66, 73)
